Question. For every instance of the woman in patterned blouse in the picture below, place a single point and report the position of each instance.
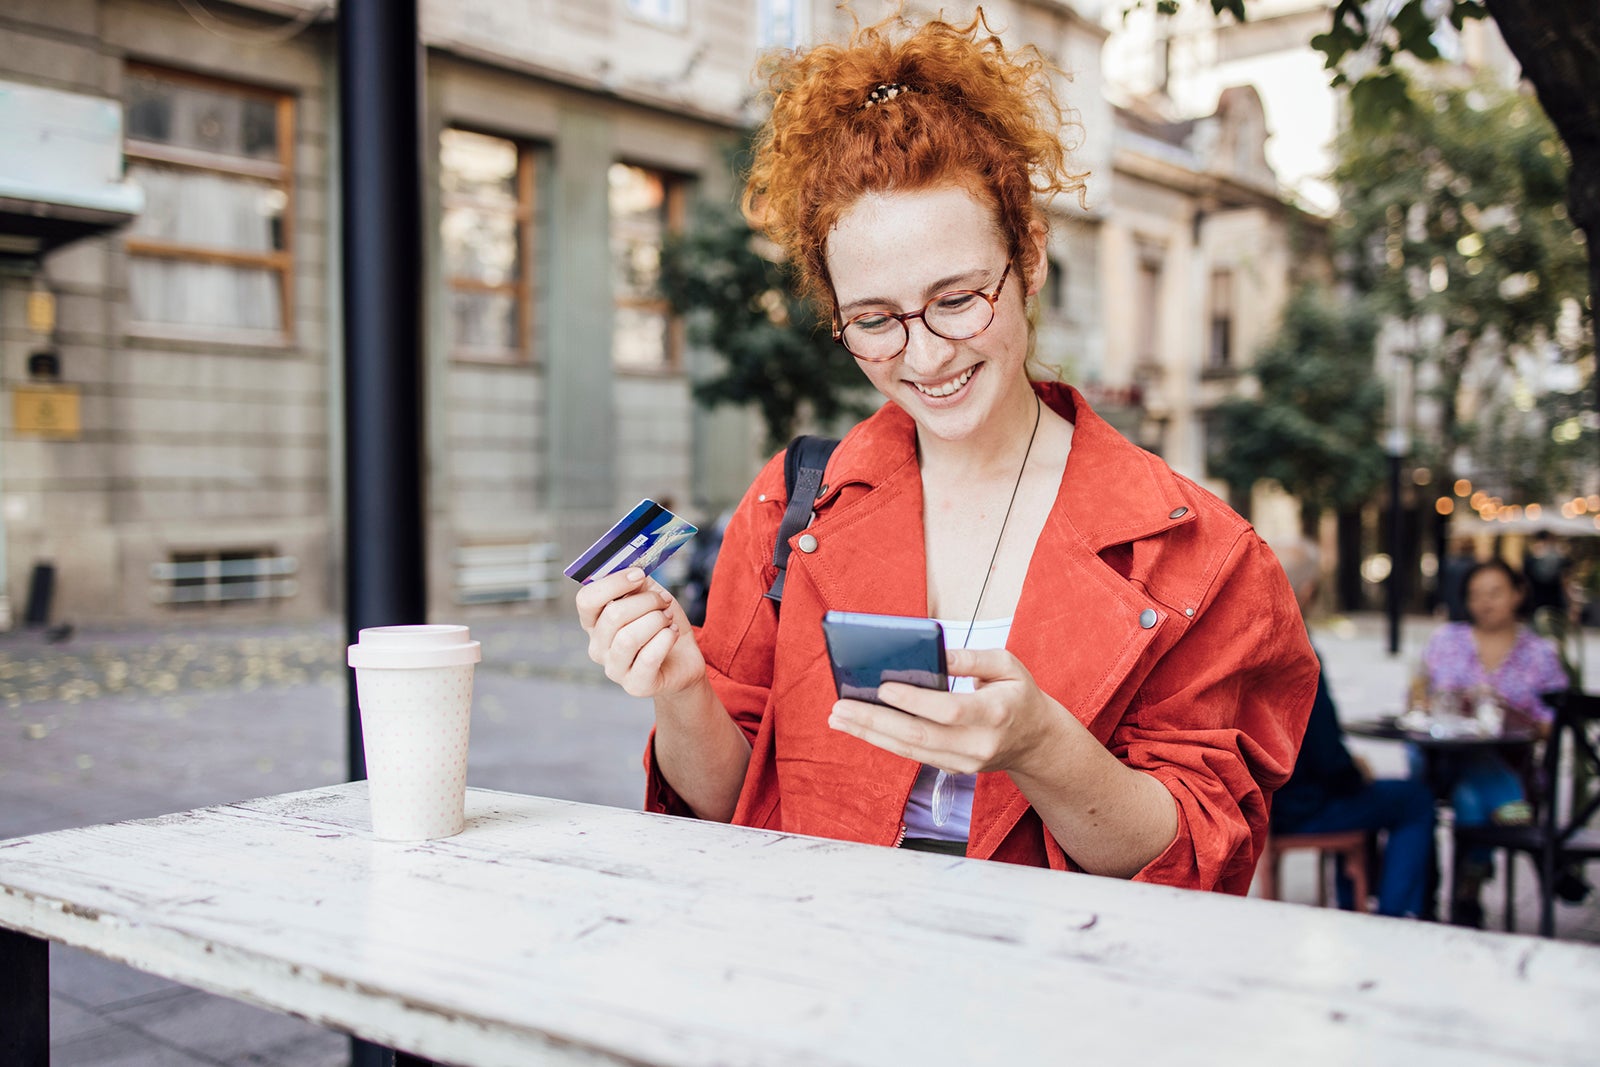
(1493, 655)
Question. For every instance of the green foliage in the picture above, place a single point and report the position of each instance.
(1456, 208)
(1314, 426)
(777, 350)
(1454, 215)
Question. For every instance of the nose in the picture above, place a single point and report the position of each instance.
(925, 351)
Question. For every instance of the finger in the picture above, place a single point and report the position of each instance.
(622, 612)
(631, 639)
(901, 734)
(935, 705)
(983, 664)
(642, 678)
(593, 597)
(870, 721)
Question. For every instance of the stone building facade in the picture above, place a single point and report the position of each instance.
(200, 342)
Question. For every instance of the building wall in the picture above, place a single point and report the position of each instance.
(188, 444)
(205, 443)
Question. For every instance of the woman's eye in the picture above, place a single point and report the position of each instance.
(872, 323)
(956, 301)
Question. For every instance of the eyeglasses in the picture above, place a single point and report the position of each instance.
(877, 336)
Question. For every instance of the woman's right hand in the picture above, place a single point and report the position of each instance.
(638, 633)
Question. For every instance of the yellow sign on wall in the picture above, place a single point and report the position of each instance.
(46, 411)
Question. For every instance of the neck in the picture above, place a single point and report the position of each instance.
(992, 450)
(1497, 630)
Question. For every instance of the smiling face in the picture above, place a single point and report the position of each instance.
(897, 251)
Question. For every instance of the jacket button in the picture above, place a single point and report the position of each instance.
(807, 543)
(1189, 612)
(1177, 513)
(1147, 618)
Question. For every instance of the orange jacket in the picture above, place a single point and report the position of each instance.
(1210, 694)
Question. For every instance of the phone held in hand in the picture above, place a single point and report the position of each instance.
(642, 538)
(868, 650)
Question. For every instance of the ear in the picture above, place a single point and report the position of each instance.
(1035, 249)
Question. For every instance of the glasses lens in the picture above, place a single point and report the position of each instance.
(957, 316)
(875, 337)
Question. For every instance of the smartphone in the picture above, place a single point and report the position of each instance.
(868, 650)
(642, 538)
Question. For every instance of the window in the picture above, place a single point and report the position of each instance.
(1148, 351)
(1054, 296)
(645, 206)
(781, 23)
(1220, 354)
(487, 190)
(661, 12)
(212, 250)
(225, 576)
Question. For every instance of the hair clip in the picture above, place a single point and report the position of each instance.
(885, 93)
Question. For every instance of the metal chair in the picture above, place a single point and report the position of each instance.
(1565, 801)
(1353, 845)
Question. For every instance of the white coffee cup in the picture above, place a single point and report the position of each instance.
(414, 685)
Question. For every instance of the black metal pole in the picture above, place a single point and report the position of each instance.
(1396, 549)
(380, 93)
(380, 183)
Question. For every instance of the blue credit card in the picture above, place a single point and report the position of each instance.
(642, 538)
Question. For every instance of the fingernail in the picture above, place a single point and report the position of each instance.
(636, 575)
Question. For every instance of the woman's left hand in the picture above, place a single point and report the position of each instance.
(1004, 724)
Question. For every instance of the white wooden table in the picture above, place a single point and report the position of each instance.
(552, 932)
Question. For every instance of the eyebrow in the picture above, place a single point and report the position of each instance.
(962, 279)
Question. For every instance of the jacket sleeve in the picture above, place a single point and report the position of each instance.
(1219, 721)
(740, 630)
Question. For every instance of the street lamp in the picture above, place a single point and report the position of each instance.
(1396, 442)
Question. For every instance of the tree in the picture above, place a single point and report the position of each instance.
(1453, 223)
(777, 350)
(1314, 426)
(1557, 42)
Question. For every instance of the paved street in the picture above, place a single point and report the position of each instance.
(119, 725)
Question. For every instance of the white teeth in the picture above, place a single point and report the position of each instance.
(948, 387)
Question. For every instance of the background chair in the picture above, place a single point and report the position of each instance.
(1565, 800)
(1353, 845)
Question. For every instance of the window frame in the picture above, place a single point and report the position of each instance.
(521, 288)
(281, 174)
(676, 212)
(1220, 325)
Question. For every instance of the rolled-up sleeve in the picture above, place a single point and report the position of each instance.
(738, 637)
(1220, 719)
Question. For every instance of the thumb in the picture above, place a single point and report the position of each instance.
(983, 664)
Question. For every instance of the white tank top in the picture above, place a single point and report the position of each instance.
(986, 633)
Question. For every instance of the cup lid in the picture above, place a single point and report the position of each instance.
(436, 645)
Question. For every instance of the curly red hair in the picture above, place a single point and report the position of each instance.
(971, 113)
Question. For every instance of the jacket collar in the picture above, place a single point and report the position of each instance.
(1113, 492)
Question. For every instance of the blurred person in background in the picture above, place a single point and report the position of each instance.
(1493, 656)
(1546, 566)
(1459, 558)
(1331, 790)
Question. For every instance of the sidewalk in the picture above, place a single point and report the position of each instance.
(130, 724)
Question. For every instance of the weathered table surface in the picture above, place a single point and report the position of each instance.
(552, 932)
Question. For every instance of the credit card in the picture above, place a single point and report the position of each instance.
(642, 538)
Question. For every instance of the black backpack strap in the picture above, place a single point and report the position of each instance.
(803, 466)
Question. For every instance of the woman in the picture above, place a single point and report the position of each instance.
(1490, 656)
(1136, 677)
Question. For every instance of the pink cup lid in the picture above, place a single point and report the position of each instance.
(414, 646)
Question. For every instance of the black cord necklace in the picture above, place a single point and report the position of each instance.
(943, 799)
(1038, 410)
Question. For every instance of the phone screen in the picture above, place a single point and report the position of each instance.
(868, 650)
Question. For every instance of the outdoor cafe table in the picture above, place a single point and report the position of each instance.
(554, 932)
